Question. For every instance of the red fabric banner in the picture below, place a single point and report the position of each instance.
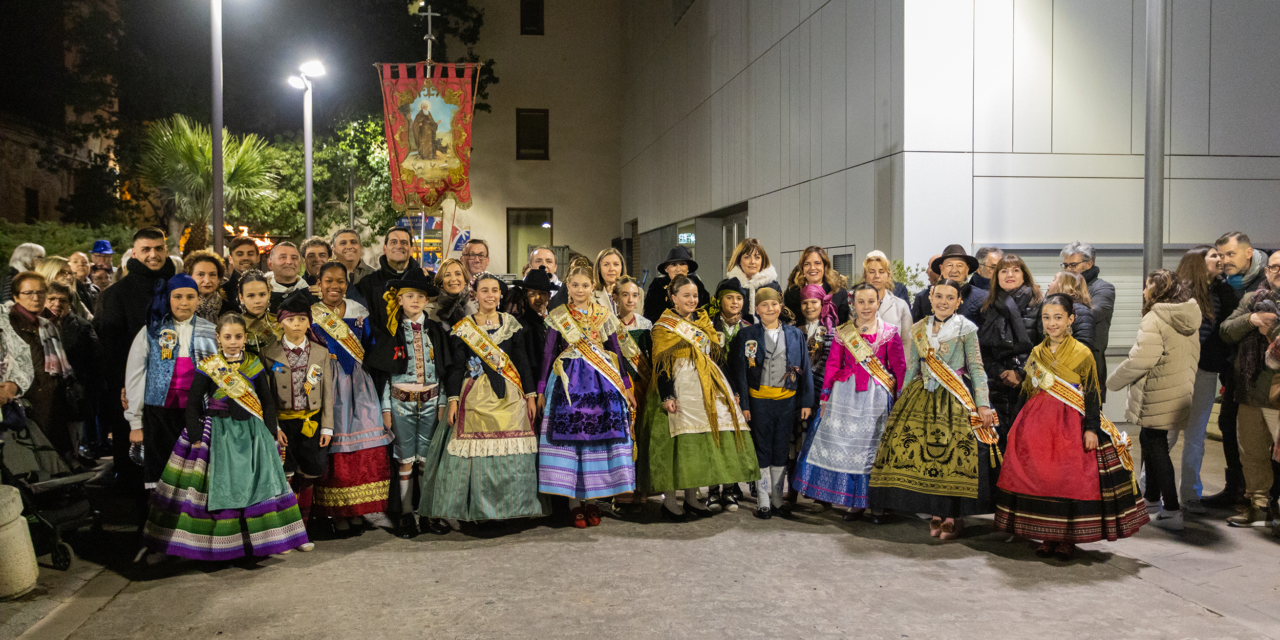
(428, 110)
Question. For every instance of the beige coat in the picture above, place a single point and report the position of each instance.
(1161, 368)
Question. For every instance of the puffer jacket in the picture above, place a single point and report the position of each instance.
(1161, 368)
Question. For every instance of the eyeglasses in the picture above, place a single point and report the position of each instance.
(35, 293)
(475, 255)
(1273, 269)
(1073, 265)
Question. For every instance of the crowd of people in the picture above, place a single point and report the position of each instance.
(255, 403)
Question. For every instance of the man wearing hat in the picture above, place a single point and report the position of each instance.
(408, 356)
(678, 262)
(953, 264)
(303, 388)
(534, 295)
(101, 253)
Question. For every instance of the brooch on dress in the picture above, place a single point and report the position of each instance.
(168, 340)
(473, 367)
(751, 348)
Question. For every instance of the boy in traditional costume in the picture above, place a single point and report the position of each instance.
(303, 387)
(694, 435)
(770, 366)
(863, 376)
(359, 476)
(223, 493)
(728, 316)
(584, 450)
(935, 455)
(1067, 474)
(411, 354)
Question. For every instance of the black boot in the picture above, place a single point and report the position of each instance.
(1231, 496)
(407, 527)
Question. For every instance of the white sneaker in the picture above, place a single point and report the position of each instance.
(311, 546)
(1152, 507)
(1169, 520)
(1194, 507)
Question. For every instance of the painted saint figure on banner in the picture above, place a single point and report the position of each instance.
(431, 156)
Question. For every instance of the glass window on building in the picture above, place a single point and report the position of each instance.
(533, 135)
(526, 229)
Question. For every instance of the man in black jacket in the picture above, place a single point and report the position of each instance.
(1078, 257)
(397, 246)
(244, 257)
(954, 263)
(122, 314)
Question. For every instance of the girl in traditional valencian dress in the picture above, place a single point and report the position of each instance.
(935, 454)
(223, 494)
(584, 450)
(1066, 477)
(255, 300)
(359, 476)
(484, 466)
(863, 376)
(694, 434)
(637, 344)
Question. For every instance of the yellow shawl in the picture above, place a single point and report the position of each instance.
(1073, 363)
(669, 348)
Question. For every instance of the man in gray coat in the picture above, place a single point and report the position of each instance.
(1078, 257)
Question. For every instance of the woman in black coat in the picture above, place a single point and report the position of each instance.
(1008, 333)
(678, 262)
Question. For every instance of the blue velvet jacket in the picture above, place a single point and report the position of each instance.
(744, 377)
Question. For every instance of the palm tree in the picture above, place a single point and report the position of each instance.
(177, 161)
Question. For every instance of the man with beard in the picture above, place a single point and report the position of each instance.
(395, 261)
(244, 257)
(122, 313)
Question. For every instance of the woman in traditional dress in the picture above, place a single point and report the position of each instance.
(818, 321)
(262, 330)
(223, 493)
(694, 433)
(637, 344)
(208, 270)
(485, 466)
(752, 269)
(863, 375)
(585, 446)
(1066, 477)
(934, 457)
(359, 477)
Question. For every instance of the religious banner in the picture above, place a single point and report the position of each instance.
(428, 109)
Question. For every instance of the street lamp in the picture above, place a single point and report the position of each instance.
(307, 71)
(215, 20)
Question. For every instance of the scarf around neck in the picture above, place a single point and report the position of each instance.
(55, 358)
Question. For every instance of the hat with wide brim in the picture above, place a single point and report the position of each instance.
(537, 280)
(954, 251)
(679, 254)
(415, 279)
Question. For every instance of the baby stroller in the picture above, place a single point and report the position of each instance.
(53, 499)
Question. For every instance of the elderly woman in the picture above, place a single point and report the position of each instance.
(208, 270)
(51, 370)
(80, 343)
(24, 258)
(58, 269)
(893, 307)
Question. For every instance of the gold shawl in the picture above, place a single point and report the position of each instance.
(669, 347)
(1073, 363)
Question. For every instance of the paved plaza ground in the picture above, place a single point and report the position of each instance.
(731, 576)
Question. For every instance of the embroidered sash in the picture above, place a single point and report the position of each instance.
(685, 330)
(338, 330)
(232, 383)
(484, 347)
(865, 355)
(631, 351)
(954, 384)
(562, 320)
(1070, 395)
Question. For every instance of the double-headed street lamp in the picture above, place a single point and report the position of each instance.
(302, 81)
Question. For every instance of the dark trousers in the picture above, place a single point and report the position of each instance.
(772, 422)
(1161, 485)
(128, 475)
(303, 454)
(1227, 425)
(160, 430)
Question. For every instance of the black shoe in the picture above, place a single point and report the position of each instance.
(763, 513)
(437, 526)
(734, 490)
(728, 501)
(694, 511)
(673, 516)
(1231, 496)
(715, 500)
(408, 527)
(853, 516)
(881, 518)
(783, 510)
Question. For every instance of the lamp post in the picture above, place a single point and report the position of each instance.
(302, 81)
(215, 21)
